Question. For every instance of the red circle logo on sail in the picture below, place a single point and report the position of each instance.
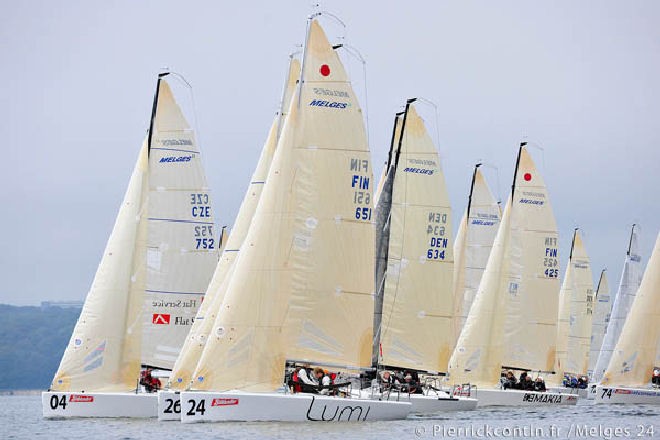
(325, 70)
(527, 177)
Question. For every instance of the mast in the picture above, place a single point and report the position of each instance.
(474, 176)
(154, 108)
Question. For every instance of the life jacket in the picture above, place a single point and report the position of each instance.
(297, 388)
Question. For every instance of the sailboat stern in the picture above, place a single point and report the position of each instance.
(67, 404)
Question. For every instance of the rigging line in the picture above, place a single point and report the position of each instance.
(356, 54)
(437, 119)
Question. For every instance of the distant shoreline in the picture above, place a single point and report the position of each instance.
(20, 392)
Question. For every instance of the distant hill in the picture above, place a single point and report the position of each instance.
(33, 340)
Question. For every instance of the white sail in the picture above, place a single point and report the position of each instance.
(631, 277)
(417, 297)
(145, 290)
(182, 246)
(194, 345)
(575, 313)
(102, 354)
(302, 285)
(602, 310)
(512, 322)
(474, 241)
(636, 350)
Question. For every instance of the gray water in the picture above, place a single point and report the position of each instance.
(20, 418)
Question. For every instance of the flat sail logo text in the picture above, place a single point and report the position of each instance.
(329, 104)
(176, 159)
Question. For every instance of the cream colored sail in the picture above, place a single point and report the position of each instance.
(636, 351)
(145, 291)
(631, 277)
(101, 355)
(575, 313)
(474, 241)
(302, 285)
(182, 244)
(381, 182)
(512, 322)
(417, 301)
(602, 310)
(194, 345)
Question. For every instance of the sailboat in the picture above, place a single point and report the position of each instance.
(302, 287)
(414, 306)
(155, 269)
(628, 375)
(575, 315)
(474, 240)
(512, 323)
(602, 311)
(631, 277)
(169, 407)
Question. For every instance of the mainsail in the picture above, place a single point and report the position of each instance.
(302, 286)
(631, 277)
(636, 351)
(474, 241)
(417, 310)
(575, 312)
(155, 267)
(194, 345)
(512, 322)
(602, 310)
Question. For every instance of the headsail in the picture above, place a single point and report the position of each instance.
(302, 286)
(103, 354)
(474, 241)
(631, 277)
(636, 351)
(512, 322)
(186, 363)
(602, 310)
(417, 311)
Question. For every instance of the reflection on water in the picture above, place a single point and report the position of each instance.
(20, 418)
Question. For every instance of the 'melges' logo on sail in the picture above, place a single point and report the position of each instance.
(224, 402)
(160, 318)
(81, 398)
(330, 104)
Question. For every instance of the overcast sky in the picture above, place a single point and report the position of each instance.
(579, 79)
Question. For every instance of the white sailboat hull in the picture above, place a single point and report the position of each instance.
(169, 405)
(67, 404)
(199, 406)
(422, 404)
(582, 393)
(427, 403)
(522, 398)
(638, 396)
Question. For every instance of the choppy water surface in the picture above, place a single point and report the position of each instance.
(20, 418)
